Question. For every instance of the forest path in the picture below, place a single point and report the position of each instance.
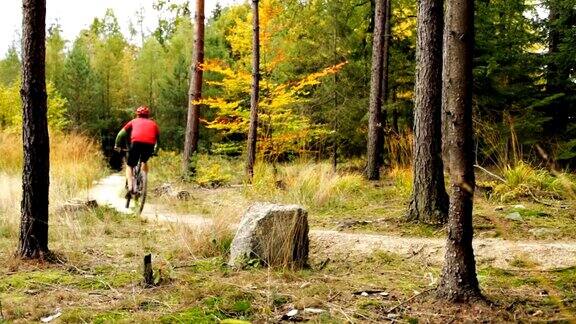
(499, 253)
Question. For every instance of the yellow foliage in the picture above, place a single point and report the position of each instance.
(405, 27)
(11, 107)
(283, 129)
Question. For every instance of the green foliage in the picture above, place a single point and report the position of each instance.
(524, 88)
(78, 86)
(55, 55)
(172, 103)
(211, 175)
(148, 68)
(10, 67)
(11, 107)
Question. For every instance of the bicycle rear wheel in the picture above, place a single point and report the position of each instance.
(142, 183)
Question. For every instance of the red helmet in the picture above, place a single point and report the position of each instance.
(143, 111)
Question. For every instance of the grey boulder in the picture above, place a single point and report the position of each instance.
(271, 235)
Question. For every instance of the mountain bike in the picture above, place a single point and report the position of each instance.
(140, 182)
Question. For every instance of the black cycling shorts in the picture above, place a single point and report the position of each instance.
(139, 152)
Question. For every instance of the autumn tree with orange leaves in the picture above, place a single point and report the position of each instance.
(284, 128)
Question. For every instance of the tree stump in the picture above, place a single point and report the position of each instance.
(271, 235)
(148, 273)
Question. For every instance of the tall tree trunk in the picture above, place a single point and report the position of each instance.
(195, 91)
(36, 174)
(558, 74)
(386, 60)
(387, 41)
(375, 119)
(253, 131)
(335, 94)
(429, 201)
(553, 84)
(458, 281)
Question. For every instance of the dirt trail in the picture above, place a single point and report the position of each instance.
(496, 252)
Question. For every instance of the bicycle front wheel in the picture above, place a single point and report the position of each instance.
(143, 184)
(128, 197)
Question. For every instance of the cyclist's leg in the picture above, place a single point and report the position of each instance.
(129, 176)
(146, 153)
(131, 161)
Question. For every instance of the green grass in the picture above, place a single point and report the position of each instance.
(335, 199)
(100, 282)
(525, 181)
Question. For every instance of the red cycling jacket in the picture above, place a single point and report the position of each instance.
(143, 130)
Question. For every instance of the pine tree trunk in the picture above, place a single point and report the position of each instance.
(253, 131)
(36, 174)
(429, 201)
(553, 49)
(195, 91)
(386, 61)
(387, 40)
(557, 73)
(374, 148)
(458, 281)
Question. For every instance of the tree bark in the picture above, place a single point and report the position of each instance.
(458, 281)
(553, 82)
(374, 148)
(558, 73)
(33, 241)
(386, 61)
(253, 131)
(429, 201)
(195, 91)
(387, 41)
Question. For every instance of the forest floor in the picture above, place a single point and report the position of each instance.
(526, 268)
(331, 243)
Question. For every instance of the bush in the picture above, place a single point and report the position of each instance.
(522, 181)
(209, 170)
(311, 185)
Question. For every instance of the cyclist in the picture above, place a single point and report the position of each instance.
(144, 136)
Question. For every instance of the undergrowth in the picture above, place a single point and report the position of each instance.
(313, 185)
(209, 171)
(75, 163)
(524, 181)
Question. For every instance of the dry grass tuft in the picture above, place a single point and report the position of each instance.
(75, 162)
(522, 180)
(400, 148)
(307, 184)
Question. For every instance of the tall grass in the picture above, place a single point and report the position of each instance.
(399, 147)
(523, 180)
(75, 162)
(313, 185)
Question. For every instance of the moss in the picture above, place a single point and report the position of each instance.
(83, 315)
(385, 258)
(526, 281)
(565, 281)
(369, 304)
(193, 315)
(523, 261)
(35, 280)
